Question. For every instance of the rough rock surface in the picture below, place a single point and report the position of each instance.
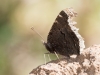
(87, 63)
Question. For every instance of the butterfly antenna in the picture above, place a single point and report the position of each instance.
(38, 34)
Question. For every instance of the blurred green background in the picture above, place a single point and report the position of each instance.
(21, 49)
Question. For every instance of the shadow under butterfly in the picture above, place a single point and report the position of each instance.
(63, 37)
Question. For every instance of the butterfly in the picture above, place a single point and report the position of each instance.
(63, 37)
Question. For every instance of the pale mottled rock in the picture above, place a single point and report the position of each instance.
(88, 63)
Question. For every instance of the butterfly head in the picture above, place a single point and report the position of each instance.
(48, 47)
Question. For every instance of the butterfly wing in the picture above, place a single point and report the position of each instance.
(61, 39)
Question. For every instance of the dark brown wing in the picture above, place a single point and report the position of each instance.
(61, 38)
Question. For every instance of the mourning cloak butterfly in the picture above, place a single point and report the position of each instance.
(63, 37)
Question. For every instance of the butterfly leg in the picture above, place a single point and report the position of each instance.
(56, 54)
(45, 58)
(48, 56)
